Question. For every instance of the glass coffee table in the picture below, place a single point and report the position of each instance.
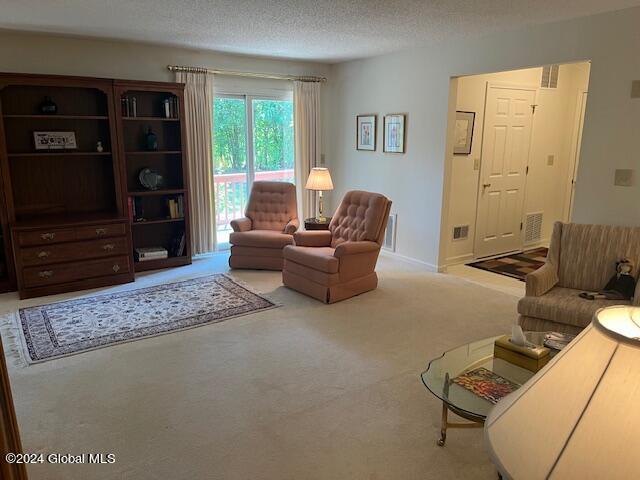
(439, 375)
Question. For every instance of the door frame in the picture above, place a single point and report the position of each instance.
(509, 86)
(582, 97)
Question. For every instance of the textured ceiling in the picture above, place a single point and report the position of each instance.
(321, 30)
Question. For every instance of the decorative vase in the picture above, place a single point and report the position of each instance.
(152, 140)
(99, 147)
(48, 106)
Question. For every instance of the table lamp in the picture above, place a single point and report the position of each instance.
(579, 417)
(319, 180)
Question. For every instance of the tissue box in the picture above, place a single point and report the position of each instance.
(531, 358)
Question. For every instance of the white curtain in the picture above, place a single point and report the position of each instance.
(306, 101)
(198, 105)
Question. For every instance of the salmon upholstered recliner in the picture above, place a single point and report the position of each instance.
(271, 219)
(336, 264)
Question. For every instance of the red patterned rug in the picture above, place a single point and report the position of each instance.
(516, 265)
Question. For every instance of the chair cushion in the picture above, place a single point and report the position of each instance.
(260, 238)
(360, 216)
(271, 205)
(318, 258)
(563, 305)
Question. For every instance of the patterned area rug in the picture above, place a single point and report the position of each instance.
(75, 326)
(516, 265)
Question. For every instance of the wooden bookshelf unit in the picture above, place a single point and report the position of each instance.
(65, 223)
(159, 109)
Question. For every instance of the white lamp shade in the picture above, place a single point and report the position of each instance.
(319, 179)
(579, 417)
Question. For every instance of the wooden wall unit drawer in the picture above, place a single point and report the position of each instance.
(44, 237)
(71, 251)
(101, 231)
(70, 234)
(70, 272)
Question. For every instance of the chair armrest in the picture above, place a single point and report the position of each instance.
(292, 226)
(352, 248)
(541, 281)
(241, 224)
(313, 238)
(636, 295)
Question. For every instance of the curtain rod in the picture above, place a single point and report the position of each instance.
(179, 68)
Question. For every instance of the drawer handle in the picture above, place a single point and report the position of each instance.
(43, 254)
(45, 273)
(101, 231)
(116, 267)
(108, 246)
(48, 236)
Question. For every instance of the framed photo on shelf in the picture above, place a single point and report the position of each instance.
(394, 133)
(463, 132)
(55, 140)
(366, 132)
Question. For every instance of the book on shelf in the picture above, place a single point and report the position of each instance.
(129, 106)
(178, 246)
(143, 254)
(175, 207)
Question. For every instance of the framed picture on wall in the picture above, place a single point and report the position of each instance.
(394, 133)
(366, 132)
(463, 133)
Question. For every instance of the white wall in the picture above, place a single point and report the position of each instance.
(552, 131)
(417, 82)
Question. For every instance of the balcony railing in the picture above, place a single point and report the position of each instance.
(231, 194)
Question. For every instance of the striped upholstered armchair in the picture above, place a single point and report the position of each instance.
(581, 258)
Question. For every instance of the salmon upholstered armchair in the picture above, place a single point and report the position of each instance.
(271, 219)
(339, 263)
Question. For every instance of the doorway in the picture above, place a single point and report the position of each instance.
(517, 175)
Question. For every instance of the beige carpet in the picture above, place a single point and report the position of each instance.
(305, 391)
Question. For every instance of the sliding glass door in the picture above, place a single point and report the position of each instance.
(253, 140)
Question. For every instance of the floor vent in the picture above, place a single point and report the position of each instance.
(550, 75)
(533, 227)
(461, 232)
(390, 234)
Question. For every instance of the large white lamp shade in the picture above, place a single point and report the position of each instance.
(579, 417)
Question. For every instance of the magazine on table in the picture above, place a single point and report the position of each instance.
(486, 384)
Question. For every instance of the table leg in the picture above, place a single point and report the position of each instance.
(443, 425)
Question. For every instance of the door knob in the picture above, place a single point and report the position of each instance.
(486, 185)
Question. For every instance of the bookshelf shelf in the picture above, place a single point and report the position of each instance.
(150, 119)
(162, 263)
(152, 193)
(157, 221)
(59, 117)
(155, 152)
(60, 154)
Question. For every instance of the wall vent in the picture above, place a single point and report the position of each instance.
(461, 232)
(533, 227)
(390, 233)
(550, 75)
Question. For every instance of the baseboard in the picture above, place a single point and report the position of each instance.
(540, 243)
(430, 267)
(460, 259)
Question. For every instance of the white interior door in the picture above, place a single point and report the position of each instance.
(505, 155)
(574, 158)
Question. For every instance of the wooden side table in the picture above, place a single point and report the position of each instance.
(314, 224)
